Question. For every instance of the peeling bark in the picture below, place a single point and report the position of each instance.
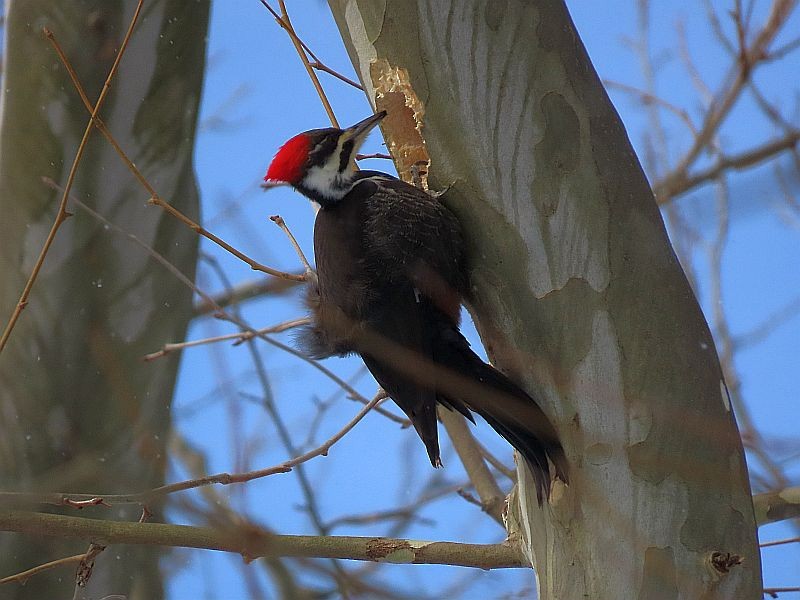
(577, 293)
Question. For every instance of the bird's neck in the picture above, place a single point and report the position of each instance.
(332, 192)
(327, 192)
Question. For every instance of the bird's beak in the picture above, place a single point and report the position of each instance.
(360, 130)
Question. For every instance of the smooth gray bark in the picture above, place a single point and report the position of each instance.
(79, 410)
(577, 293)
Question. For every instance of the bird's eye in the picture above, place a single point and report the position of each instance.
(323, 149)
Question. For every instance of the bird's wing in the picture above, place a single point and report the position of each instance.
(413, 237)
(396, 347)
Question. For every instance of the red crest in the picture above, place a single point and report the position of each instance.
(287, 166)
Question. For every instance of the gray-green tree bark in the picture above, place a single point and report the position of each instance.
(577, 293)
(80, 411)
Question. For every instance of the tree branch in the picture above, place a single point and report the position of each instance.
(777, 506)
(245, 291)
(252, 542)
(668, 189)
(492, 497)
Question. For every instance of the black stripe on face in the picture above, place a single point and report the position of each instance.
(344, 158)
(324, 145)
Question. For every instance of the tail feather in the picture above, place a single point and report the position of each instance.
(419, 356)
(508, 409)
(417, 401)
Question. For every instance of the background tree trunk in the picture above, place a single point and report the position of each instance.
(80, 411)
(577, 292)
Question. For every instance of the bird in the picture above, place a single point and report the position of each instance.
(391, 277)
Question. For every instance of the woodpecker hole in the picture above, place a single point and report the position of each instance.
(403, 126)
(722, 562)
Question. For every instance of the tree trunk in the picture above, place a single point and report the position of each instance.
(80, 411)
(577, 293)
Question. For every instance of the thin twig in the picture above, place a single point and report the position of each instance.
(62, 214)
(323, 67)
(647, 98)
(250, 290)
(773, 592)
(491, 496)
(315, 61)
(763, 330)
(278, 220)
(239, 337)
(793, 540)
(285, 22)
(669, 189)
(496, 462)
(23, 577)
(155, 199)
(725, 99)
(373, 155)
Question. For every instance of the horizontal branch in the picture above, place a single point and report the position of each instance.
(777, 506)
(253, 543)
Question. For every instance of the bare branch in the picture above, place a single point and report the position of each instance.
(726, 98)
(668, 189)
(491, 496)
(777, 506)
(793, 540)
(251, 542)
(245, 291)
(23, 577)
(315, 61)
(773, 592)
(238, 338)
(647, 98)
(278, 220)
(761, 331)
(285, 22)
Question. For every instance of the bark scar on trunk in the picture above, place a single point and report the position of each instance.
(403, 125)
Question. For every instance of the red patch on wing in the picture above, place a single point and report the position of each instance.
(287, 166)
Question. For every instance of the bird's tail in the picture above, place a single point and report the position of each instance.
(511, 412)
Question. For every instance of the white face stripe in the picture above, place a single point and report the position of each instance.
(326, 179)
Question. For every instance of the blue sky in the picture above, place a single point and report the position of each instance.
(256, 96)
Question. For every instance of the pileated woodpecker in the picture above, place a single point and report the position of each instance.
(391, 278)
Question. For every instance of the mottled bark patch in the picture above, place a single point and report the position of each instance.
(494, 12)
(658, 575)
(598, 454)
(390, 551)
(557, 153)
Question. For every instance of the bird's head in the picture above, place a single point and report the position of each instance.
(320, 163)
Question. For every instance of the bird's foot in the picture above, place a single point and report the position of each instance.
(441, 193)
